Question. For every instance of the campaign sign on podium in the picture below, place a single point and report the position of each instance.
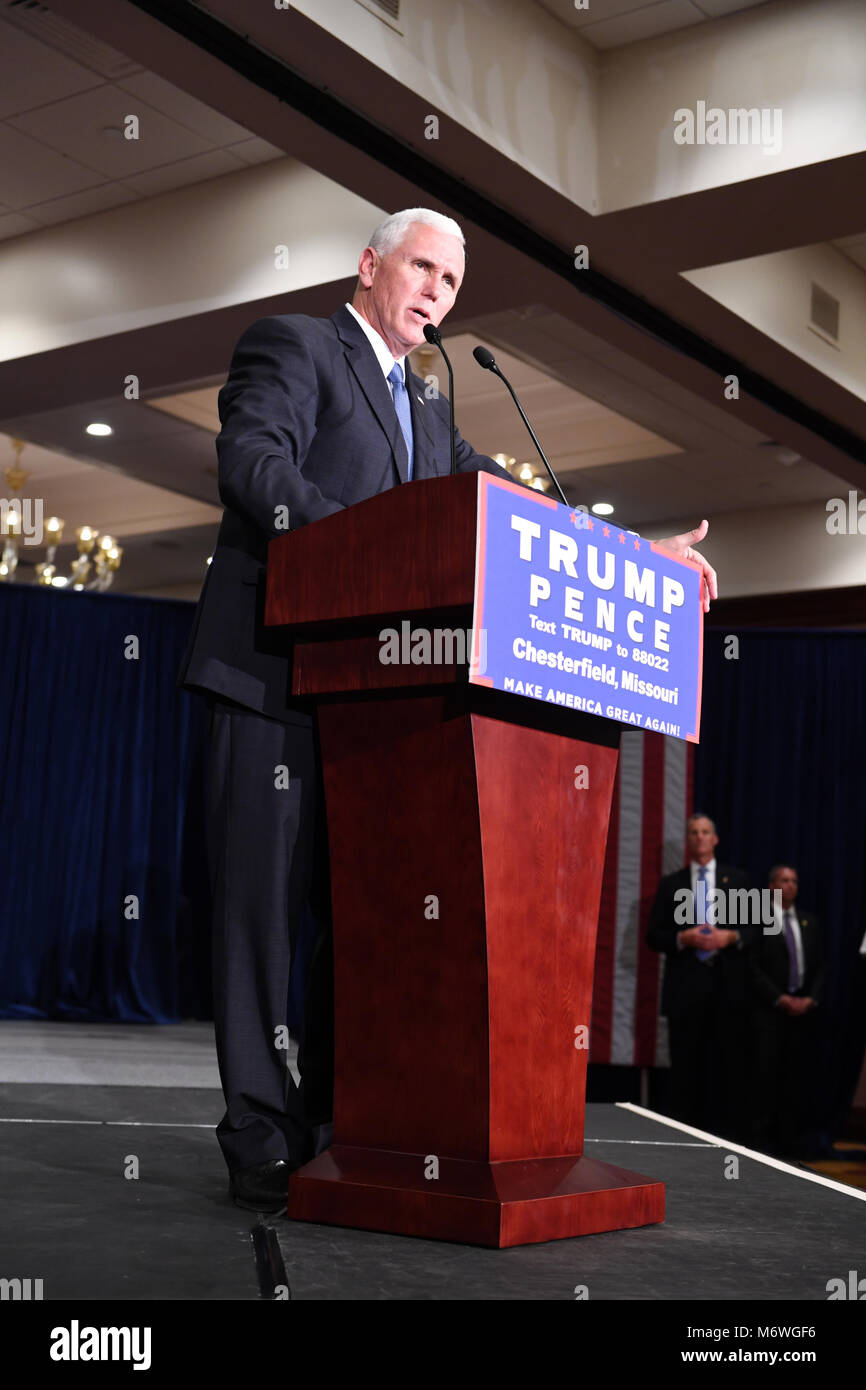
(574, 611)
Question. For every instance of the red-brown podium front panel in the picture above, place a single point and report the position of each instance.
(466, 855)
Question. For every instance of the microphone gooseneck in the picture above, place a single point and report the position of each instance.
(432, 334)
(484, 357)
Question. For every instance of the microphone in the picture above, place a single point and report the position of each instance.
(432, 334)
(485, 359)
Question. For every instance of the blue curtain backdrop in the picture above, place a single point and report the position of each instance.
(781, 768)
(102, 778)
(102, 764)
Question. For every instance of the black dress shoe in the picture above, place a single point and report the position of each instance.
(264, 1187)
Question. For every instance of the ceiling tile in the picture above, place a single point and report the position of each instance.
(854, 247)
(58, 33)
(32, 74)
(647, 23)
(103, 497)
(256, 151)
(199, 407)
(715, 8)
(181, 107)
(186, 171)
(33, 173)
(600, 11)
(594, 12)
(75, 127)
(13, 224)
(107, 195)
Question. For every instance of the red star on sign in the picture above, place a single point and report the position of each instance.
(606, 531)
(590, 524)
(636, 543)
(621, 538)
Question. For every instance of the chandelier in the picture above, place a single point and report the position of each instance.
(98, 557)
(528, 473)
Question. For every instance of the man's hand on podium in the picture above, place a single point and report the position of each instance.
(682, 545)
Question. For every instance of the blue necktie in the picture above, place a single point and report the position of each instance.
(701, 909)
(401, 405)
(794, 980)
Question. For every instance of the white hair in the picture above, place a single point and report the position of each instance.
(392, 232)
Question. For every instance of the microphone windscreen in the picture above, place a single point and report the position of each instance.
(432, 334)
(484, 357)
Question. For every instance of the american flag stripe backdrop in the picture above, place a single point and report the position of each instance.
(651, 800)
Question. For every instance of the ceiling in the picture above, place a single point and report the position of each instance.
(64, 98)
(598, 454)
(854, 247)
(613, 23)
(634, 461)
(619, 429)
(577, 432)
(165, 538)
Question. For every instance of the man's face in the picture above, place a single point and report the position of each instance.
(786, 880)
(701, 840)
(413, 285)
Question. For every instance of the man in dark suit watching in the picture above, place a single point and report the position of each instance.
(317, 414)
(786, 970)
(704, 995)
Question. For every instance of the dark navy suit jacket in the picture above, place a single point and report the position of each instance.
(770, 963)
(308, 423)
(689, 982)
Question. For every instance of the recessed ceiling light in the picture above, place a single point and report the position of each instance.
(602, 508)
(98, 428)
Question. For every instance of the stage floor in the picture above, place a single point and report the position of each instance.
(82, 1104)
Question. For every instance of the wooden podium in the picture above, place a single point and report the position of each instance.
(466, 869)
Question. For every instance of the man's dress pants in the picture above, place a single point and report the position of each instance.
(709, 1051)
(267, 849)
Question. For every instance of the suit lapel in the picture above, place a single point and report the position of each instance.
(362, 362)
(425, 462)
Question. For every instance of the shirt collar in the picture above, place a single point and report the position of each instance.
(380, 347)
(696, 867)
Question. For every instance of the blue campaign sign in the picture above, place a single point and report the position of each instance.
(573, 610)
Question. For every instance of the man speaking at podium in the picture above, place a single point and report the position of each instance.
(317, 414)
